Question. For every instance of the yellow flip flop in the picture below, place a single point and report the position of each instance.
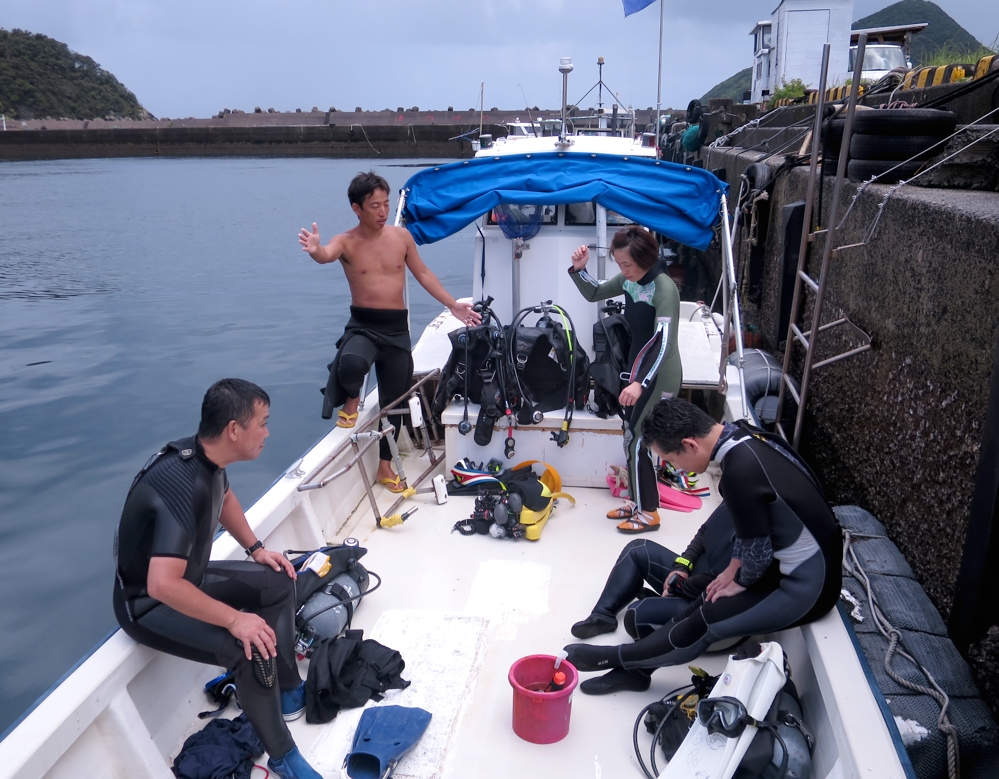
(343, 419)
(393, 485)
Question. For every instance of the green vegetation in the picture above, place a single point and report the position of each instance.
(943, 38)
(41, 77)
(793, 88)
(732, 87)
(949, 55)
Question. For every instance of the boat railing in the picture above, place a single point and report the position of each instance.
(374, 430)
(730, 305)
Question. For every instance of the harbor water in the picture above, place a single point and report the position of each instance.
(126, 288)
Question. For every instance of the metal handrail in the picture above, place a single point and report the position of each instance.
(730, 303)
(365, 428)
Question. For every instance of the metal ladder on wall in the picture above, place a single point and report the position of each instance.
(803, 282)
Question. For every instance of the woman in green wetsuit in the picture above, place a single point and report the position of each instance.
(652, 308)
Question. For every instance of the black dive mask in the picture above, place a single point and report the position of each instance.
(725, 715)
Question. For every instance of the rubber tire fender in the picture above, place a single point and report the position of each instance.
(905, 121)
(862, 170)
(893, 147)
(759, 176)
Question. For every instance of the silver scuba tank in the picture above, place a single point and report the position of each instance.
(327, 612)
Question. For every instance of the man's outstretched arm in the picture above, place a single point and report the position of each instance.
(310, 242)
(462, 311)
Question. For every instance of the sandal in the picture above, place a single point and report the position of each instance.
(393, 485)
(641, 522)
(627, 511)
(343, 419)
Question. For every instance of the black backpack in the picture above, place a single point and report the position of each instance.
(478, 369)
(611, 345)
(552, 368)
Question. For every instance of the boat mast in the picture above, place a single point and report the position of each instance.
(482, 104)
(565, 68)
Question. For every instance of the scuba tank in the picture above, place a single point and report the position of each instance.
(329, 610)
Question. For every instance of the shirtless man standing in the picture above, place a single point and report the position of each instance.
(374, 258)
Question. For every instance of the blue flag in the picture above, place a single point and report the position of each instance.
(631, 6)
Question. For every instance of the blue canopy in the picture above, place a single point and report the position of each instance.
(677, 201)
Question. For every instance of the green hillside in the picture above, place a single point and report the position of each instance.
(41, 77)
(942, 32)
(731, 87)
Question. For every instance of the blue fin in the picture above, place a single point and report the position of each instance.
(383, 736)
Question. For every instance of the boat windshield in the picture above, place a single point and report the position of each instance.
(525, 213)
(880, 58)
(586, 214)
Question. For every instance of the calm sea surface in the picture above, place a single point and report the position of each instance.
(126, 288)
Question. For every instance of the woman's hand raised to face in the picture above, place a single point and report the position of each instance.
(580, 257)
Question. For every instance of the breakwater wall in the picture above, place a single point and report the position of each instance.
(899, 429)
(389, 141)
(400, 133)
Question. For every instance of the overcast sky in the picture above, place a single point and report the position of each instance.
(193, 58)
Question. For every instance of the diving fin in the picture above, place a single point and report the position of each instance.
(384, 734)
(672, 498)
(755, 681)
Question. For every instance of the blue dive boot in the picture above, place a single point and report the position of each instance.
(383, 736)
(293, 703)
(292, 766)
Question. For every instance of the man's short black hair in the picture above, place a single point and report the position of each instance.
(363, 184)
(670, 421)
(228, 400)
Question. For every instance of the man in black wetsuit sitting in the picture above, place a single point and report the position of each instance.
(374, 257)
(785, 559)
(236, 614)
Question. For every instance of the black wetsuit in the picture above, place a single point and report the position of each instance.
(652, 309)
(378, 336)
(173, 510)
(788, 540)
(643, 562)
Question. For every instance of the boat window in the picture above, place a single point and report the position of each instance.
(580, 214)
(527, 213)
(585, 214)
(614, 219)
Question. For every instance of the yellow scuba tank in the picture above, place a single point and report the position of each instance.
(551, 489)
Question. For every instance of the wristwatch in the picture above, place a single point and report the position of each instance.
(685, 563)
(258, 545)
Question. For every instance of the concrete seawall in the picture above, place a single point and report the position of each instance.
(297, 141)
(898, 429)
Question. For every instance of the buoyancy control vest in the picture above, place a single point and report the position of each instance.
(611, 345)
(515, 371)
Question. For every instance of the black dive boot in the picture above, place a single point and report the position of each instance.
(594, 625)
(618, 680)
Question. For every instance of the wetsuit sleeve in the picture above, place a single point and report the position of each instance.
(663, 342)
(171, 503)
(170, 537)
(756, 555)
(694, 550)
(747, 492)
(592, 289)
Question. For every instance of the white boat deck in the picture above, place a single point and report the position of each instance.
(463, 609)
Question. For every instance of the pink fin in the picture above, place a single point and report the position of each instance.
(675, 499)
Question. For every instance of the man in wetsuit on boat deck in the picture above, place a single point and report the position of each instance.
(234, 613)
(374, 257)
(785, 560)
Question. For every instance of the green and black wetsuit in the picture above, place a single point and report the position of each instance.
(652, 308)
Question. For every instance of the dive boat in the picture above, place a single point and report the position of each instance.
(463, 609)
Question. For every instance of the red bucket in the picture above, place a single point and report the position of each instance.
(538, 716)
